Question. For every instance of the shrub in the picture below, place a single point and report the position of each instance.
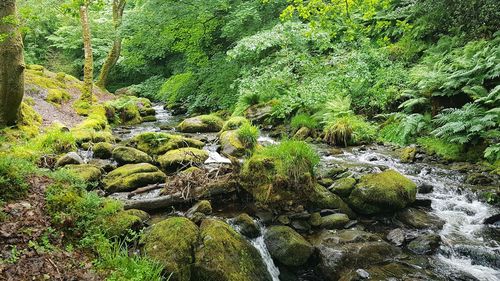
(295, 158)
(176, 89)
(303, 120)
(402, 129)
(443, 149)
(349, 130)
(248, 135)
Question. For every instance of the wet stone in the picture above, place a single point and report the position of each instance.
(396, 236)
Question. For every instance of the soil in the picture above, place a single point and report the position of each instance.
(31, 249)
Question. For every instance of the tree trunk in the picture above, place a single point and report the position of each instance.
(11, 64)
(88, 68)
(114, 53)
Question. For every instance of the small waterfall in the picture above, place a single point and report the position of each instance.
(260, 245)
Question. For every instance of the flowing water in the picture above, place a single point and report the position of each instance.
(468, 246)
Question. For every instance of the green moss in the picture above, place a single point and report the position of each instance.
(128, 109)
(343, 186)
(58, 96)
(128, 155)
(132, 176)
(172, 242)
(382, 192)
(248, 135)
(88, 173)
(334, 221)
(182, 157)
(226, 255)
(231, 144)
(119, 224)
(13, 176)
(201, 124)
(321, 198)
(94, 128)
(287, 246)
(443, 149)
(29, 120)
(159, 143)
(102, 150)
(407, 154)
(234, 123)
(138, 213)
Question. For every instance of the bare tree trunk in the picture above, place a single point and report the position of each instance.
(88, 68)
(114, 54)
(11, 64)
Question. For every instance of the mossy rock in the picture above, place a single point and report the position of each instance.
(176, 159)
(225, 255)
(260, 178)
(171, 242)
(149, 119)
(323, 199)
(132, 176)
(128, 155)
(260, 113)
(119, 224)
(128, 109)
(154, 143)
(138, 213)
(383, 192)
(343, 187)
(231, 144)
(234, 123)
(303, 133)
(334, 221)
(287, 246)
(102, 150)
(247, 225)
(68, 159)
(407, 154)
(202, 206)
(86, 172)
(58, 96)
(201, 124)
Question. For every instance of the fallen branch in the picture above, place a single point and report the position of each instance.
(145, 189)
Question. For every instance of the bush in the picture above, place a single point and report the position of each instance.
(176, 89)
(303, 120)
(403, 129)
(295, 158)
(248, 135)
(441, 148)
(349, 130)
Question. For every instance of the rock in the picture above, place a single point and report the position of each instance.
(118, 224)
(225, 255)
(231, 145)
(419, 219)
(326, 182)
(335, 172)
(102, 150)
(349, 249)
(302, 134)
(132, 176)
(103, 164)
(425, 244)
(479, 179)
(258, 113)
(128, 155)
(323, 199)
(425, 188)
(425, 203)
(495, 219)
(181, 158)
(247, 226)
(202, 206)
(408, 154)
(264, 216)
(198, 217)
(384, 192)
(315, 219)
(171, 242)
(150, 118)
(392, 271)
(283, 220)
(343, 187)
(362, 274)
(154, 143)
(396, 236)
(144, 216)
(334, 221)
(287, 246)
(301, 225)
(88, 173)
(201, 124)
(69, 158)
(234, 123)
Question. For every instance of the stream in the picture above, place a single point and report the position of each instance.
(470, 250)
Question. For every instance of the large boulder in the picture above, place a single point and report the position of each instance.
(201, 124)
(383, 192)
(234, 123)
(425, 244)
(156, 143)
(132, 176)
(334, 221)
(225, 255)
(231, 145)
(68, 159)
(350, 249)
(171, 243)
(343, 186)
(259, 113)
(119, 223)
(180, 158)
(128, 155)
(287, 246)
(247, 226)
(321, 198)
(420, 219)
